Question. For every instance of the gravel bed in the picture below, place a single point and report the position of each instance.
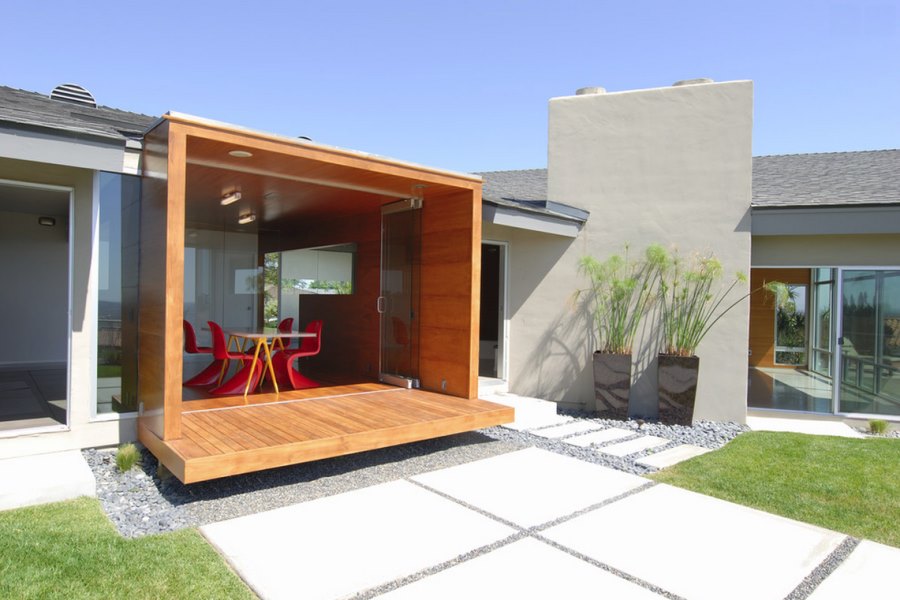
(139, 503)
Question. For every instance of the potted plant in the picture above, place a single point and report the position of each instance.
(619, 294)
(691, 301)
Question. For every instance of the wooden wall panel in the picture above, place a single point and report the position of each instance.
(450, 288)
(762, 312)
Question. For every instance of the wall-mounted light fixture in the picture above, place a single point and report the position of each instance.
(246, 218)
(46, 221)
(240, 153)
(230, 198)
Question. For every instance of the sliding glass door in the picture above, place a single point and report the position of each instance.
(870, 342)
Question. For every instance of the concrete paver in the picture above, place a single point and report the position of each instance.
(636, 445)
(42, 478)
(562, 430)
(338, 545)
(869, 572)
(699, 547)
(524, 569)
(672, 456)
(599, 437)
(531, 486)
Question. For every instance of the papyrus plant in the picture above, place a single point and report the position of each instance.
(620, 293)
(692, 300)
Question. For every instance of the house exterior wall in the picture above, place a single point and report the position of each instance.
(669, 165)
(84, 430)
(862, 250)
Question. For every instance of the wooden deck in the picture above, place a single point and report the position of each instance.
(222, 438)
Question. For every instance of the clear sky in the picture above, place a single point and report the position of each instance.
(464, 84)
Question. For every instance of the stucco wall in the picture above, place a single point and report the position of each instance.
(668, 165)
(84, 431)
(827, 250)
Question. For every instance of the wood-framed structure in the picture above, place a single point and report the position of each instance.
(306, 195)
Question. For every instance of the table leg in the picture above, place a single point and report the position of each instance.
(226, 361)
(260, 341)
(271, 369)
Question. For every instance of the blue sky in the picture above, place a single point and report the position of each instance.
(464, 85)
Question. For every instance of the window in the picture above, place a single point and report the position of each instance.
(290, 274)
(790, 328)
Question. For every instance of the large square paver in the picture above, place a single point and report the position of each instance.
(636, 445)
(599, 437)
(525, 569)
(672, 456)
(699, 547)
(869, 572)
(335, 546)
(530, 486)
(567, 429)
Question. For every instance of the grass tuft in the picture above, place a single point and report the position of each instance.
(127, 456)
(845, 484)
(878, 426)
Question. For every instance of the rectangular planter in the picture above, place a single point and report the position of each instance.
(677, 386)
(612, 384)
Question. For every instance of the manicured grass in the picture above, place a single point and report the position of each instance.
(71, 550)
(848, 485)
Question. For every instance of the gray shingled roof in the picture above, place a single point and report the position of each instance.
(828, 179)
(834, 178)
(30, 109)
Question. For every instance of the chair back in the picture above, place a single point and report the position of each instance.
(310, 346)
(286, 326)
(220, 346)
(190, 338)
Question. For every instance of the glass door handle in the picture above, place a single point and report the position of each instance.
(379, 304)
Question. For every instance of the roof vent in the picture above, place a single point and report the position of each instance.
(70, 92)
(587, 91)
(697, 81)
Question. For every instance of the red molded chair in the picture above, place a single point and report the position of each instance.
(210, 374)
(283, 361)
(238, 382)
(286, 326)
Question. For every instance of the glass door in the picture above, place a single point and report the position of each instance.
(870, 341)
(398, 303)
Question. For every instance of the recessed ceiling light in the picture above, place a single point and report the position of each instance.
(240, 154)
(246, 218)
(230, 198)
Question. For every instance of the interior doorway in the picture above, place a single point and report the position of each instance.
(34, 305)
(493, 334)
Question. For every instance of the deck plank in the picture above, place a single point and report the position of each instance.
(225, 439)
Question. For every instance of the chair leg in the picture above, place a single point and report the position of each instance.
(237, 383)
(208, 376)
(225, 362)
(298, 380)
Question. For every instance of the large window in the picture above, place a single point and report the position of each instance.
(790, 328)
(823, 288)
(117, 296)
(291, 274)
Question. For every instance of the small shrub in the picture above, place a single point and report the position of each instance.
(878, 426)
(127, 456)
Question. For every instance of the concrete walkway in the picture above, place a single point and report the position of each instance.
(43, 478)
(535, 524)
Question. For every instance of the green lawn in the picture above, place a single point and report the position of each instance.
(71, 550)
(848, 485)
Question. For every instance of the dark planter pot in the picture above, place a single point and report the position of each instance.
(612, 383)
(677, 385)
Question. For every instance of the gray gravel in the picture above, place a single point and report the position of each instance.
(139, 503)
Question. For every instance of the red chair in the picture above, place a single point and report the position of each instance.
(283, 361)
(286, 326)
(238, 382)
(210, 374)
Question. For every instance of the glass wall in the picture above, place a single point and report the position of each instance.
(790, 328)
(870, 341)
(222, 280)
(823, 290)
(117, 272)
